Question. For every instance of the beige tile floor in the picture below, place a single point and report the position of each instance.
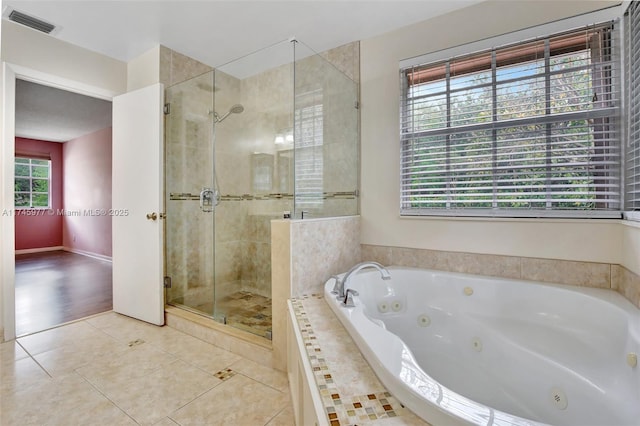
(114, 370)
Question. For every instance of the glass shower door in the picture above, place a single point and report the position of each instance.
(189, 195)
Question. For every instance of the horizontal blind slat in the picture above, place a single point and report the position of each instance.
(632, 176)
(525, 137)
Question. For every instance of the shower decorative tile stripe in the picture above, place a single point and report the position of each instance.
(345, 195)
(340, 409)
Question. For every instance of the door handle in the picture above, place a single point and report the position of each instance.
(152, 216)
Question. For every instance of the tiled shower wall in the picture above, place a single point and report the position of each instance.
(176, 67)
(587, 274)
(321, 248)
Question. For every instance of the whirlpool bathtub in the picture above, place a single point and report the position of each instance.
(462, 349)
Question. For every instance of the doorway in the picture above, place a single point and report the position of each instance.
(62, 198)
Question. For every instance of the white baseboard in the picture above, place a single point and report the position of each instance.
(39, 249)
(88, 254)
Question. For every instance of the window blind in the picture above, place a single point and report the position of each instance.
(632, 154)
(529, 129)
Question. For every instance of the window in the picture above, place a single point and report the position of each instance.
(521, 130)
(32, 181)
(632, 177)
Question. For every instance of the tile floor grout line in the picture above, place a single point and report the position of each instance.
(195, 398)
(204, 371)
(34, 359)
(158, 367)
(179, 357)
(105, 396)
(275, 415)
(259, 381)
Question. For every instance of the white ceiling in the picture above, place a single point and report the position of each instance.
(51, 114)
(217, 31)
(214, 32)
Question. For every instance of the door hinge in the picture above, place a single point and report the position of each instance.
(167, 282)
(356, 105)
(167, 109)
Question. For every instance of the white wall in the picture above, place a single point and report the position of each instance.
(586, 240)
(37, 51)
(630, 246)
(144, 70)
(41, 58)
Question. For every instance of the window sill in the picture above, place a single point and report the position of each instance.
(632, 216)
(515, 219)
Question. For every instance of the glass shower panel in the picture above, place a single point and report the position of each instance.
(326, 138)
(189, 224)
(275, 131)
(254, 166)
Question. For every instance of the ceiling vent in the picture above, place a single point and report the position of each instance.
(29, 21)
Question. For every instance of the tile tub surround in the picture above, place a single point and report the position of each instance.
(113, 370)
(586, 274)
(321, 248)
(304, 254)
(350, 391)
(626, 283)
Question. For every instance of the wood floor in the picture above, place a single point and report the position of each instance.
(57, 286)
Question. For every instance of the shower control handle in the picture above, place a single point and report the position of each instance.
(152, 216)
(207, 200)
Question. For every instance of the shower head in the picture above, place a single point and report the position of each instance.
(236, 109)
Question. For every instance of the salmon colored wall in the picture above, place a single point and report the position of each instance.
(87, 193)
(43, 230)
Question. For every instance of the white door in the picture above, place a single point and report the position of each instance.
(137, 204)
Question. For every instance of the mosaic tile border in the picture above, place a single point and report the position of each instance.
(225, 374)
(340, 409)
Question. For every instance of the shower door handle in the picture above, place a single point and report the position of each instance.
(207, 200)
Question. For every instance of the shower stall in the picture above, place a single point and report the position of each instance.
(271, 134)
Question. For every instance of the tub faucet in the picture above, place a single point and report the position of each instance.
(339, 286)
(348, 298)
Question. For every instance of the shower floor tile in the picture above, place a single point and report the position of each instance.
(247, 311)
(244, 310)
